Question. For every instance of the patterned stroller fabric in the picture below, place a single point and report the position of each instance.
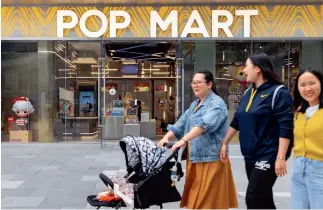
(144, 151)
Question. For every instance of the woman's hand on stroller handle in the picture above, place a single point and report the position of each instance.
(177, 146)
(162, 142)
(168, 145)
(174, 146)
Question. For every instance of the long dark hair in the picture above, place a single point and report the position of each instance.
(299, 101)
(266, 66)
(208, 76)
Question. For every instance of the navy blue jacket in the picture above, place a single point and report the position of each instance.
(261, 126)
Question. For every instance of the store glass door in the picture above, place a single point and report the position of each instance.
(66, 73)
(77, 90)
(103, 117)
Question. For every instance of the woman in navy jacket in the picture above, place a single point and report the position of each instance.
(265, 130)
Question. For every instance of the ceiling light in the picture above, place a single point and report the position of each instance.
(156, 55)
(85, 60)
(150, 69)
(95, 73)
(160, 65)
(161, 73)
(173, 58)
(105, 69)
(130, 62)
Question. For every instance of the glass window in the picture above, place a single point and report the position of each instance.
(285, 57)
(230, 79)
(63, 80)
(19, 97)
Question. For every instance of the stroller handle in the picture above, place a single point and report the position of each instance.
(168, 145)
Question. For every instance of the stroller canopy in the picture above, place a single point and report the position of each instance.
(143, 151)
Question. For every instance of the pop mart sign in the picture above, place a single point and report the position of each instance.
(171, 20)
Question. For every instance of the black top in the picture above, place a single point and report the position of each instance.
(261, 126)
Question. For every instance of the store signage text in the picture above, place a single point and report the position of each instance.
(155, 19)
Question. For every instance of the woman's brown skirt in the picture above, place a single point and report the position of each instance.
(209, 186)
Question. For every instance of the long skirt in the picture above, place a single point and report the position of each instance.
(209, 186)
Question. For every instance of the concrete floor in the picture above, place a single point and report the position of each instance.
(62, 175)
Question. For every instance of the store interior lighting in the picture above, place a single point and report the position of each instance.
(161, 65)
(161, 73)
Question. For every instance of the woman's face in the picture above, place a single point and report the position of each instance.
(199, 85)
(309, 87)
(251, 71)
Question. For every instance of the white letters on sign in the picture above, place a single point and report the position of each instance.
(60, 21)
(104, 24)
(246, 19)
(114, 25)
(155, 19)
(216, 25)
(201, 29)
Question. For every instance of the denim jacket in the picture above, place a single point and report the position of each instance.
(212, 115)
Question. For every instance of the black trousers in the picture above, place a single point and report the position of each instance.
(262, 177)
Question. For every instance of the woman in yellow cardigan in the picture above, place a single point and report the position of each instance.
(307, 176)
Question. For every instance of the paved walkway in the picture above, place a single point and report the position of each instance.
(62, 175)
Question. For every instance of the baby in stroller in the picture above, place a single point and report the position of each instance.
(149, 181)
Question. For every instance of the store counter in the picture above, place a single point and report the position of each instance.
(113, 128)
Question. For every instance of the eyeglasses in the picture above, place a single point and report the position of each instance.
(198, 83)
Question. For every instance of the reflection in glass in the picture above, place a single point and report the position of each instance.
(229, 78)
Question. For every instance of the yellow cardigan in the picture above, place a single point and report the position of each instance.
(308, 136)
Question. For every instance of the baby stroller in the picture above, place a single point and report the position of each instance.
(150, 179)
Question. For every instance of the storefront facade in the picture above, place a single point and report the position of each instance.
(78, 63)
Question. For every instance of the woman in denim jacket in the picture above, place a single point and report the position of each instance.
(209, 183)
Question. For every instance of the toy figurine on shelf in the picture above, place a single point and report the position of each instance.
(22, 108)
